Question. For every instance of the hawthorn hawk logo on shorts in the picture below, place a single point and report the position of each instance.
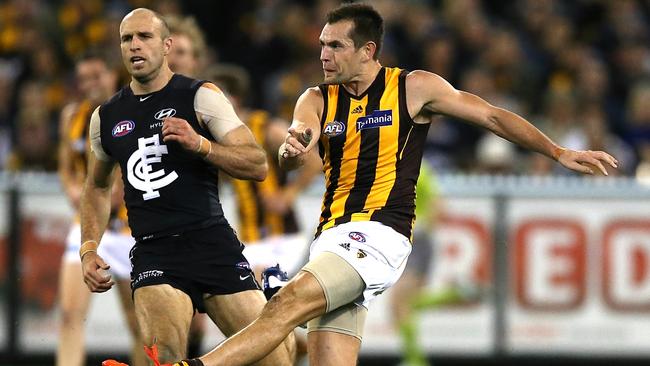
(333, 128)
(357, 236)
(139, 168)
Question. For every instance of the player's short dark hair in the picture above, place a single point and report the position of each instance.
(368, 24)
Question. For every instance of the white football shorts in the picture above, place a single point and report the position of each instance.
(377, 252)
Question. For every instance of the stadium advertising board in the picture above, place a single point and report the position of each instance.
(580, 280)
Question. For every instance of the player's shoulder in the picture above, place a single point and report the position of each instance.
(95, 112)
(318, 90)
(419, 77)
(313, 94)
(114, 99)
(210, 86)
(312, 98)
(181, 82)
(426, 84)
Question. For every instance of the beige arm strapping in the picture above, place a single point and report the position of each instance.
(95, 138)
(216, 111)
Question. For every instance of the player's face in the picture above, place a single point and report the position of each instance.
(96, 82)
(143, 48)
(341, 61)
(181, 57)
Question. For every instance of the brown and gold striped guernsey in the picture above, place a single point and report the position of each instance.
(371, 151)
(255, 222)
(78, 138)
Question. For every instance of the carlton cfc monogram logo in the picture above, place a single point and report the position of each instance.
(140, 172)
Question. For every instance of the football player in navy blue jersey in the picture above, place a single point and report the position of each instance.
(170, 135)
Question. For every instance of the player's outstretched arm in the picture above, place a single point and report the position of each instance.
(304, 132)
(431, 93)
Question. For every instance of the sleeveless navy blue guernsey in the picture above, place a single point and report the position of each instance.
(167, 189)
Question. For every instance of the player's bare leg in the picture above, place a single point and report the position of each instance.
(233, 312)
(74, 298)
(272, 279)
(164, 314)
(300, 300)
(197, 332)
(138, 357)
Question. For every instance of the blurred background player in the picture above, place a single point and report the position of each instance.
(97, 82)
(189, 50)
(187, 57)
(268, 224)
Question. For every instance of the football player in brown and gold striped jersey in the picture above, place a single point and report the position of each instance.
(369, 124)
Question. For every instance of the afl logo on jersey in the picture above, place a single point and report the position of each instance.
(123, 128)
(165, 113)
(333, 128)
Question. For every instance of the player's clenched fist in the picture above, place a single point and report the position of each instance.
(179, 130)
(95, 274)
(296, 142)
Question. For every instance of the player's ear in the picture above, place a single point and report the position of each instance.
(167, 44)
(369, 50)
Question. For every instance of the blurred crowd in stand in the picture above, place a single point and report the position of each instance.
(579, 70)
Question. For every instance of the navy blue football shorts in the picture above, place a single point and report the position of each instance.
(198, 262)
